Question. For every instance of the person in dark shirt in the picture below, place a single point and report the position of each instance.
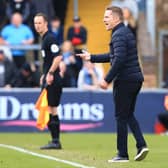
(51, 78)
(130, 21)
(27, 77)
(3, 17)
(77, 34)
(57, 29)
(128, 78)
(43, 6)
(19, 6)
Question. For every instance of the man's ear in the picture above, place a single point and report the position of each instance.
(116, 18)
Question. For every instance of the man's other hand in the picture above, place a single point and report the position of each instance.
(85, 55)
(103, 84)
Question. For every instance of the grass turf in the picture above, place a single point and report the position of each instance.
(87, 149)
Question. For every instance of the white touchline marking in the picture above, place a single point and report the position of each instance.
(44, 156)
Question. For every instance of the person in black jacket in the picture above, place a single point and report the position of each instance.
(3, 18)
(27, 77)
(77, 34)
(18, 6)
(51, 78)
(126, 73)
(130, 21)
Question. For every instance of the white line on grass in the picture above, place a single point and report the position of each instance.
(44, 156)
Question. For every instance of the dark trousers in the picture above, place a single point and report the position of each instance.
(125, 94)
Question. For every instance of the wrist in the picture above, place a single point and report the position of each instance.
(89, 57)
(51, 73)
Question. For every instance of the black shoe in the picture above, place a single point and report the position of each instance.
(51, 145)
(119, 159)
(141, 154)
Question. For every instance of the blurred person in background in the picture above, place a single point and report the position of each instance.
(27, 77)
(130, 4)
(129, 20)
(20, 6)
(71, 73)
(3, 18)
(89, 76)
(42, 6)
(57, 30)
(8, 71)
(77, 34)
(16, 33)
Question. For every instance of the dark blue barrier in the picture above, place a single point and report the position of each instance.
(79, 110)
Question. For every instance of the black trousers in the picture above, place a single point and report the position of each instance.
(125, 95)
(54, 91)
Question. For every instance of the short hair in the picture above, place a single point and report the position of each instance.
(42, 15)
(116, 10)
(55, 18)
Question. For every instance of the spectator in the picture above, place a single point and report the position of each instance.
(129, 20)
(42, 6)
(57, 29)
(7, 70)
(27, 77)
(71, 73)
(3, 18)
(130, 4)
(20, 6)
(89, 76)
(17, 33)
(77, 34)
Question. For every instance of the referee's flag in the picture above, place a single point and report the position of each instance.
(42, 106)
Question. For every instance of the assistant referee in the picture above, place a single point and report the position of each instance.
(51, 78)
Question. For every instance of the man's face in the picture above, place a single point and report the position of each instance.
(77, 24)
(55, 24)
(109, 20)
(16, 19)
(40, 24)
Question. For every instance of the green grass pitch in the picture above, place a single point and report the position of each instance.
(88, 149)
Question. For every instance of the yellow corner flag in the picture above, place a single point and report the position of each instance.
(42, 106)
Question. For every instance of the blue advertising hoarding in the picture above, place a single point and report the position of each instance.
(79, 111)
